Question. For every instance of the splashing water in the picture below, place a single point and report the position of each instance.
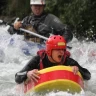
(13, 58)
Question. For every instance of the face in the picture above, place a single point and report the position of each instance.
(57, 55)
(37, 9)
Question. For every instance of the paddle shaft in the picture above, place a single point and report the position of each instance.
(32, 33)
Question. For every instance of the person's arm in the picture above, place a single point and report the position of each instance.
(22, 23)
(15, 28)
(12, 30)
(67, 33)
(21, 76)
(58, 28)
(84, 72)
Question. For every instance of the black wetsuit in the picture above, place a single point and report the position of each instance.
(45, 24)
(34, 63)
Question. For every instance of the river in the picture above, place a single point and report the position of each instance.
(12, 59)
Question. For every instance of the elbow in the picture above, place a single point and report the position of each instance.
(87, 76)
(67, 33)
(18, 80)
(68, 36)
(20, 77)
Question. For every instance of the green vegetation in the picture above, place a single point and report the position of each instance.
(79, 14)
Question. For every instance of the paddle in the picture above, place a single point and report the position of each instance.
(30, 32)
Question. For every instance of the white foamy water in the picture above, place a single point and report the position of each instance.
(12, 59)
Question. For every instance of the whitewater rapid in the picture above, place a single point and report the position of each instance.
(12, 59)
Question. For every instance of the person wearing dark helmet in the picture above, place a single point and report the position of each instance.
(42, 23)
(55, 54)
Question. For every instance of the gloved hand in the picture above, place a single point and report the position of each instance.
(17, 25)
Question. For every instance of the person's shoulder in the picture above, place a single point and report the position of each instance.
(51, 15)
(36, 57)
(71, 61)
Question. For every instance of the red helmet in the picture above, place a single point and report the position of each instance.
(55, 42)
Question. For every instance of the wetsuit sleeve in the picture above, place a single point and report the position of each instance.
(12, 31)
(58, 28)
(84, 72)
(21, 76)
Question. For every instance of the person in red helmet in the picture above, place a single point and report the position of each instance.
(54, 54)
